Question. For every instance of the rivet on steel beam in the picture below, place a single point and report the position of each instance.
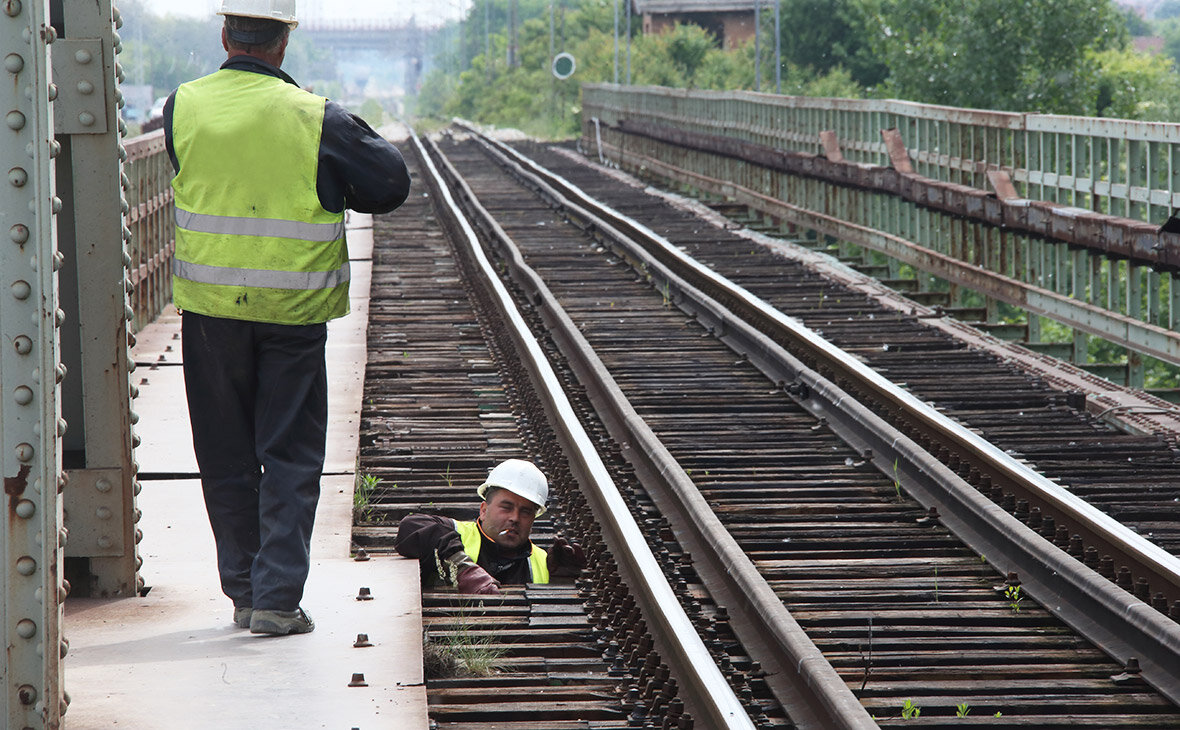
(27, 693)
(52, 92)
(15, 121)
(23, 395)
(26, 565)
(105, 542)
(365, 594)
(103, 485)
(358, 680)
(13, 63)
(26, 629)
(25, 452)
(26, 509)
(361, 556)
(23, 345)
(86, 119)
(18, 177)
(19, 234)
(103, 513)
(362, 641)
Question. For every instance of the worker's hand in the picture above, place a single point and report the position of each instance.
(474, 579)
(566, 559)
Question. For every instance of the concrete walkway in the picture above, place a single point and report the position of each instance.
(172, 660)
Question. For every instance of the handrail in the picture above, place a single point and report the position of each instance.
(150, 226)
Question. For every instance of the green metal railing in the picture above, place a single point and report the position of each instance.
(1118, 168)
(151, 223)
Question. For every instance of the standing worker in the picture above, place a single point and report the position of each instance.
(477, 556)
(264, 171)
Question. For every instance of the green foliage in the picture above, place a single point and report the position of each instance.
(910, 711)
(1136, 25)
(1136, 86)
(839, 35)
(1167, 9)
(1012, 593)
(1012, 55)
(962, 709)
(362, 495)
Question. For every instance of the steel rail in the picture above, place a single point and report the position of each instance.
(1112, 618)
(704, 690)
(804, 682)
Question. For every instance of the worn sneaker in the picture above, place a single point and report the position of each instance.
(280, 623)
(242, 616)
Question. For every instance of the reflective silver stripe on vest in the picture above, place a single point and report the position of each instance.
(262, 227)
(260, 278)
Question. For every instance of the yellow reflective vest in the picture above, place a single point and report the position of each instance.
(470, 535)
(252, 240)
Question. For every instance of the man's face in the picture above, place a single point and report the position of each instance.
(507, 518)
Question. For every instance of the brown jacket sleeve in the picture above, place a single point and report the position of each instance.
(423, 536)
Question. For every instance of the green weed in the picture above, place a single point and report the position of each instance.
(910, 711)
(962, 710)
(362, 495)
(1012, 593)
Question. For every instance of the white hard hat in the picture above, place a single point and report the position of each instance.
(282, 10)
(521, 478)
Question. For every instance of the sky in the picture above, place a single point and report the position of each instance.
(426, 12)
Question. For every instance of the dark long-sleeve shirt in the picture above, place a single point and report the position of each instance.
(433, 540)
(358, 169)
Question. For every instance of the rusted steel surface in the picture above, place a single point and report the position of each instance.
(1111, 235)
(1115, 326)
(773, 476)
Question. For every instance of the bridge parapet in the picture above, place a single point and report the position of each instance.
(1063, 217)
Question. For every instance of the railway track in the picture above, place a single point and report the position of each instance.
(910, 619)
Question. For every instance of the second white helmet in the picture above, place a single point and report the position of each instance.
(520, 477)
(281, 10)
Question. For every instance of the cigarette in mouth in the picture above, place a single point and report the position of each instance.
(501, 532)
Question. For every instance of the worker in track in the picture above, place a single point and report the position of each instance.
(480, 555)
(265, 171)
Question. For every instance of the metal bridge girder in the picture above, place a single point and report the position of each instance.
(98, 450)
(30, 372)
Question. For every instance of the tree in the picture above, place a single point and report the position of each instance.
(1013, 55)
(823, 35)
(1136, 86)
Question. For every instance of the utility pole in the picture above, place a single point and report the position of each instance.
(511, 33)
(757, 45)
(616, 7)
(778, 48)
(628, 41)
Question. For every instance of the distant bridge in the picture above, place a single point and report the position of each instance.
(393, 38)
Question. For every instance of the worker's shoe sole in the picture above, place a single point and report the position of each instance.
(281, 623)
(242, 616)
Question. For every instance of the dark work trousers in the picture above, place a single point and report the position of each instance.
(258, 402)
